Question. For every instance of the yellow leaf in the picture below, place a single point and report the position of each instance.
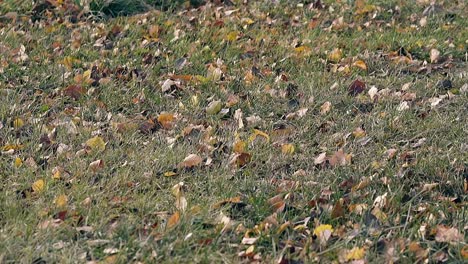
(173, 220)
(302, 49)
(61, 200)
(9, 147)
(322, 229)
(232, 36)
(360, 64)
(38, 186)
(166, 120)
(69, 61)
(18, 123)
(288, 149)
(169, 174)
(335, 55)
(96, 143)
(18, 162)
(356, 254)
(256, 133)
(239, 146)
(57, 175)
(359, 133)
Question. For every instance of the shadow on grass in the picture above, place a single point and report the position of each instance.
(115, 8)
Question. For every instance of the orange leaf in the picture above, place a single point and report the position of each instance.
(166, 120)
(173, 220)
(360, 64)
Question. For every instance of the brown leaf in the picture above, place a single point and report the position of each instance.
(356, 88)
(74, 91)
(232, 200)
(190, 161)
(448, 234)
(166, 120)
(338, 210)
(173, 220)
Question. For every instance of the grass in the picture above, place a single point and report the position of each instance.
(121, 212)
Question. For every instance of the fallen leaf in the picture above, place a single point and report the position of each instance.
(74, 91)
(173, 220)
(18, 123)
(338, 210)
(321, 158)
(96, 165)
(257, 133)
(178, 192)
(356, 88)
(38, 186)
(434, 55)
(96, 144)
(323, 233)
(373, 91)
(464, 252)
(61, 200)
(18, 162)
(249, 240)
(448, 234)
(360, 64)
(335, 55)
(288, 149)
(325, 108)
(239, 146)
(214, 107)
(169, 173)
(166, 120)
(190, 161)
(356, 254)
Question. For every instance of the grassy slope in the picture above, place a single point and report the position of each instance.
(131, 199)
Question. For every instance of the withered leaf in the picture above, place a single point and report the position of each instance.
(356, 87)
(74, 91)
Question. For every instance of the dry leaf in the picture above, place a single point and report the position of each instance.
(338, 210)
(96, 143)
(74, 91)
(434, 55)
(323, 233)
(239, 146)
(448, 234)
(356, 88)
(61, 200)
(335, 55)
(190, 161)
(38, 186)
(288, 149)
(166, 120)
(96, 165)
(173, 220)
(249, 240)
(360, 64)
(356, 254)
(321, 158)
(257, 133)
(325, 108)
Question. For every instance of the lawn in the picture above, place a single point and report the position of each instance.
(233, 131)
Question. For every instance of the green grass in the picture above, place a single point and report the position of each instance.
(120, 212)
